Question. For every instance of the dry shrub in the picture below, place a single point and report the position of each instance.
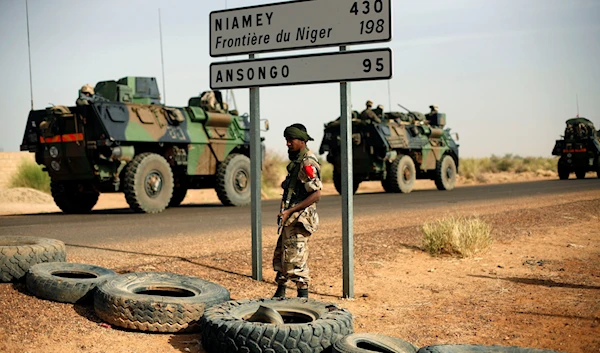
(30, 175)
(461, 236)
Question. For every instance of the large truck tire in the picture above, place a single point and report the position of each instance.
(156, 301)
(19, 253)
(72, 198)
(402, 174)
(563, 169)
(445, 173)
(65, 282)
(309, 326)
(468, 348)
(372, 343)
(148, 183)
(233, 180)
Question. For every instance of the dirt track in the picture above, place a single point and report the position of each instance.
(537, 287)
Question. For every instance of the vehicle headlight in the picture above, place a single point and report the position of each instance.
(55, 165)
(53, 152)
(569, 155)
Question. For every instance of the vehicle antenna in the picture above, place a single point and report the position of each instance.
(162, 61)
(29, 54)
(577, 102)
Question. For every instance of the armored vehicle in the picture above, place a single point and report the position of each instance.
(579, 150)
(399, 149)
(123, 140)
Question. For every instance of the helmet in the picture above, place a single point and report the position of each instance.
(380, 107)
(433, 107)
(369, 103)
(87, 88)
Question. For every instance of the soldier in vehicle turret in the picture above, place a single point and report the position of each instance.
(368, 114)
(86, 95)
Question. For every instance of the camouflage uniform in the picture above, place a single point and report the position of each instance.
(290, 259)
(369, 114)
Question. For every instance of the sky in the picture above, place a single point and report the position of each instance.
(507, 73)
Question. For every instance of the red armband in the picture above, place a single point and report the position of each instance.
(310, 171)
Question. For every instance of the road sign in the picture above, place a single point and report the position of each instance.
(360, 65)
(299, 25)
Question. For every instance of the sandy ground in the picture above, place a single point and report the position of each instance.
(538, 286)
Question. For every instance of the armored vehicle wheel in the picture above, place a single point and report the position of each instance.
(385, 183)
(156, 301)
(337, 182)
(598, 167)
(18, 254)
(179, 192)
(73, 197)
(563, 170)
(445, 173)
(402, 174)
(308, 326)
(148, 183)
(233, 180)
(580, 174)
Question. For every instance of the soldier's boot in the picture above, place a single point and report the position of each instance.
(280, 292)
(302, 292)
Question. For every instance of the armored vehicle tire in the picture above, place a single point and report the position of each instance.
(472, 348)
(385, 183)
(64, 281)
(369, 342)
(598, 166)
(580, 174)
(18, 254)
(156, 301)
(402, 174)
(337, 182)
(148, 183)
(445, 173)
(233, 180)
(72, 197)
(179, 193)
(309, 326)
(563, 170)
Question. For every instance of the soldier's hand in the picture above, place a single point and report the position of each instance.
(284, 216)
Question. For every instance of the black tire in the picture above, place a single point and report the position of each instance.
(445, 173)
(580, 174)
(563, 170)
(233, 180)
(598, 167)
(148, 183)
(337, 183)
(18, 254)
(467, 348)
(73, 197)
(179, 192)
(318, 326)
(402, 174)
(156, 301)
(385, 183)
(65, 282)
(368, 342)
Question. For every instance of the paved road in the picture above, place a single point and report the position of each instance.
(120, 224)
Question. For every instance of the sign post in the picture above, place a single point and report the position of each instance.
(294, 25)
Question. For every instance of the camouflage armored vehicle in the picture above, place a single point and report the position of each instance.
(123, 140)
(397, 151)
(579, 150)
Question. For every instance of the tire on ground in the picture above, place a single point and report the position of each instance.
(467, 348)
(445, 173)
(369, 342)
(179, 192)
(72, 197)
(402, 174)
(148, 185)
(156, 301)
(580, 173)
(19, 253)
(233, 180)
(65, 282)
(310, 326)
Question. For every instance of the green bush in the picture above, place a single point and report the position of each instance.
(30, 175)
(462, 236)
(473, 168)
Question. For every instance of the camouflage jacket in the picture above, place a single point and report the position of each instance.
(309, 181)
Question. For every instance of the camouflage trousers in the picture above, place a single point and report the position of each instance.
(290, 258)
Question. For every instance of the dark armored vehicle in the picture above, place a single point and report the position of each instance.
(397, 151)
(123, 140)
(579, 150)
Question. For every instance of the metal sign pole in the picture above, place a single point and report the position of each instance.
(347, 190)
(255, 178)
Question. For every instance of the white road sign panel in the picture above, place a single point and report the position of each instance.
(360, 65)
(299, 25)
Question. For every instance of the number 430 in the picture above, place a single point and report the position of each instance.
(367, 66)
(366, 7)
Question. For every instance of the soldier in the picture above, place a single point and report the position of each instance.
(369, 114)
(379, 111)
(86, 95)
(434, 109)
(298, 217)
